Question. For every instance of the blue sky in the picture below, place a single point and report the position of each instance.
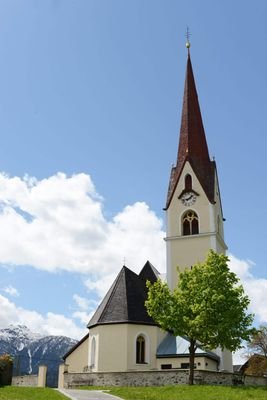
(93, 90)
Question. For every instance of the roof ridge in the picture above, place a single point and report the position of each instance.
(116, 283)
(129, 271)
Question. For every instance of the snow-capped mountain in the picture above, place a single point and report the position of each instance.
(32, 349)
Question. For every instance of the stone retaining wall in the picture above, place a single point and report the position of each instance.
(25, 380)
(158, 378)
(31, 380)
(255, 381)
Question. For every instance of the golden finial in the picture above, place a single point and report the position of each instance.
(187, 35)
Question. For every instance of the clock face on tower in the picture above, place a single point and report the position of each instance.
(188, 198)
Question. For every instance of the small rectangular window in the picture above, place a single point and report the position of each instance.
(166, 366)
(186, 365)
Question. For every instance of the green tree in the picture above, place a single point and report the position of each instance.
(208, 306)
(257, 352)
(258, 341)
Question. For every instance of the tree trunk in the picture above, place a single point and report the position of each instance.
(192, 350)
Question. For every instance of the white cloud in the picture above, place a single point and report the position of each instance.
(240, 357)
(11, 291)
(58, 224)
(49, 324)
(83, 316)
(241, 267)
(254, 287)
(81, 302)
(98, 285)
(84, 304)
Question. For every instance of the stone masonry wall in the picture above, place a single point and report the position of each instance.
(255, 381)
(158, 378)
(25, 380)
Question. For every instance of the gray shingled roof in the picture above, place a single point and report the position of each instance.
(149, 272)
(124, 302)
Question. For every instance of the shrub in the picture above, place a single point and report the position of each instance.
(6, 366)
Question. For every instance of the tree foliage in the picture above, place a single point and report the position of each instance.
(208, 306)
(6, 364)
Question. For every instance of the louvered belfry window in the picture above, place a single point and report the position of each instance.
(188, 182)
(190, 223)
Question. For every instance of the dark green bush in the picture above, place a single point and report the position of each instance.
(6, 366)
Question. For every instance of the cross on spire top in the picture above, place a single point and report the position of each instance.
(187, 35)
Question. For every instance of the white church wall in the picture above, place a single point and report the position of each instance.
(176, 208)
(111, 351)
(226, 359)
(202, 363)
(153, 335)
(185, 251)
(116, 347)
(78, 359)
(188, 250)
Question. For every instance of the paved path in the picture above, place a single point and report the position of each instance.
(87, 394)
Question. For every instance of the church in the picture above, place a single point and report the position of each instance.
(122, 336)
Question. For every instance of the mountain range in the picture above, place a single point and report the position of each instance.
(29, 350)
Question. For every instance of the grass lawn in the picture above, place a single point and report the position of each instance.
(185, 392)
(28, 393)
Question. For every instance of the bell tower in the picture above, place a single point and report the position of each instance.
(194, 216)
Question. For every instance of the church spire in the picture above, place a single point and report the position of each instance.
(192, 143)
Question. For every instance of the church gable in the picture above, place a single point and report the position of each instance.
(189, 197)
(205, 176)
(189, 182)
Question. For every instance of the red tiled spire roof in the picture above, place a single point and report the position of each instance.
(192, 144)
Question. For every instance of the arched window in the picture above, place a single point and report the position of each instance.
(188, 182)
(190, 223)
(93, 353)
(140, 349)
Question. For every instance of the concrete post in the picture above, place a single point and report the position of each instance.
(42, 371)
(63, 368)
